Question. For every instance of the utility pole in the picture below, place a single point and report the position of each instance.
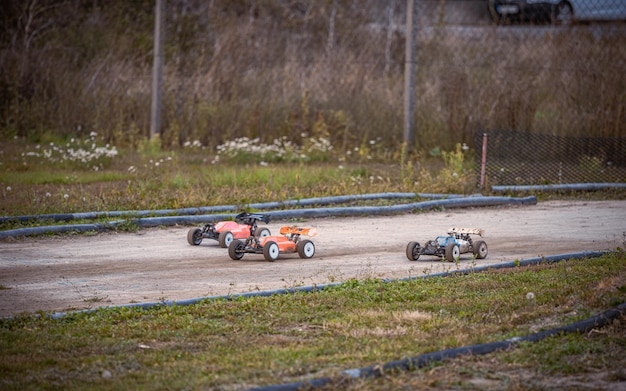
(409, 73)
(157, 70)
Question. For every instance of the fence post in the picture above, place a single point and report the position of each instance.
(157, 71)
(483, 161)
(409, 73)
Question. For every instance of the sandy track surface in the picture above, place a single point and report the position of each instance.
(79, 272)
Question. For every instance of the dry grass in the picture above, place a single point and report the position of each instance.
(268, 71)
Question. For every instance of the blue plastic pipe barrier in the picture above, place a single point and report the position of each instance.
(425, 359)
(458, 202)
(224, 208)
(229, 208)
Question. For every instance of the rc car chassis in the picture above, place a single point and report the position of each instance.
(272, 246)
(458, 241)
(244, 226)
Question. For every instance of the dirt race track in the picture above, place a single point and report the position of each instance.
(64, 273)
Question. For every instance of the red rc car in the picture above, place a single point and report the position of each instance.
(272, 246)
(244, 226)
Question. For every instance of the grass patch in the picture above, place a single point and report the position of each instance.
(182, 179)
(169, 180)
(239, 343)
(52, 177)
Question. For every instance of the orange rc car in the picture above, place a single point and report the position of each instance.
(272, 246)
(244, 226)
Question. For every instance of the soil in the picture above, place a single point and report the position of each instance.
(64, 273)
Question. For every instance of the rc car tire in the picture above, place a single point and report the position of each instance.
(306, 249)
(194, 236)
(271, 251)
(453, 252)
(262, 232)
(413, 250)
(236, 249)
(225, 238)
(480, 249)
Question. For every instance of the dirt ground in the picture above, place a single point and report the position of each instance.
(64, 273)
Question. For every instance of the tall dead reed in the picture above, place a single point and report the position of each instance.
(275, 69)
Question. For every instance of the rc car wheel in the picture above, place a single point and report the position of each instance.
(453, 252)
(262, 232)
(236, 249)
(413, 251)
(194, 236)
(306, 249)
(480, 249)
(271, 251)
(225, 238)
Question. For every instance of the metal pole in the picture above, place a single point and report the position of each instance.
(409, 72)
(483, 162)
(157, 70)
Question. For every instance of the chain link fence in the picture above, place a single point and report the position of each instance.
(507, 157)
(301, 69)
(552, 103)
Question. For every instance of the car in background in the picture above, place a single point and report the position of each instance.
(563, 12)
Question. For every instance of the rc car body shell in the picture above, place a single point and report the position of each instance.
(290, 241)
(458, 241)
(244, 226)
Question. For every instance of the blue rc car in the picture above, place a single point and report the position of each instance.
(458, 241)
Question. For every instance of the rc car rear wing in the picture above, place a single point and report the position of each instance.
(248, 218)
(473, 231)
(290, 230)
